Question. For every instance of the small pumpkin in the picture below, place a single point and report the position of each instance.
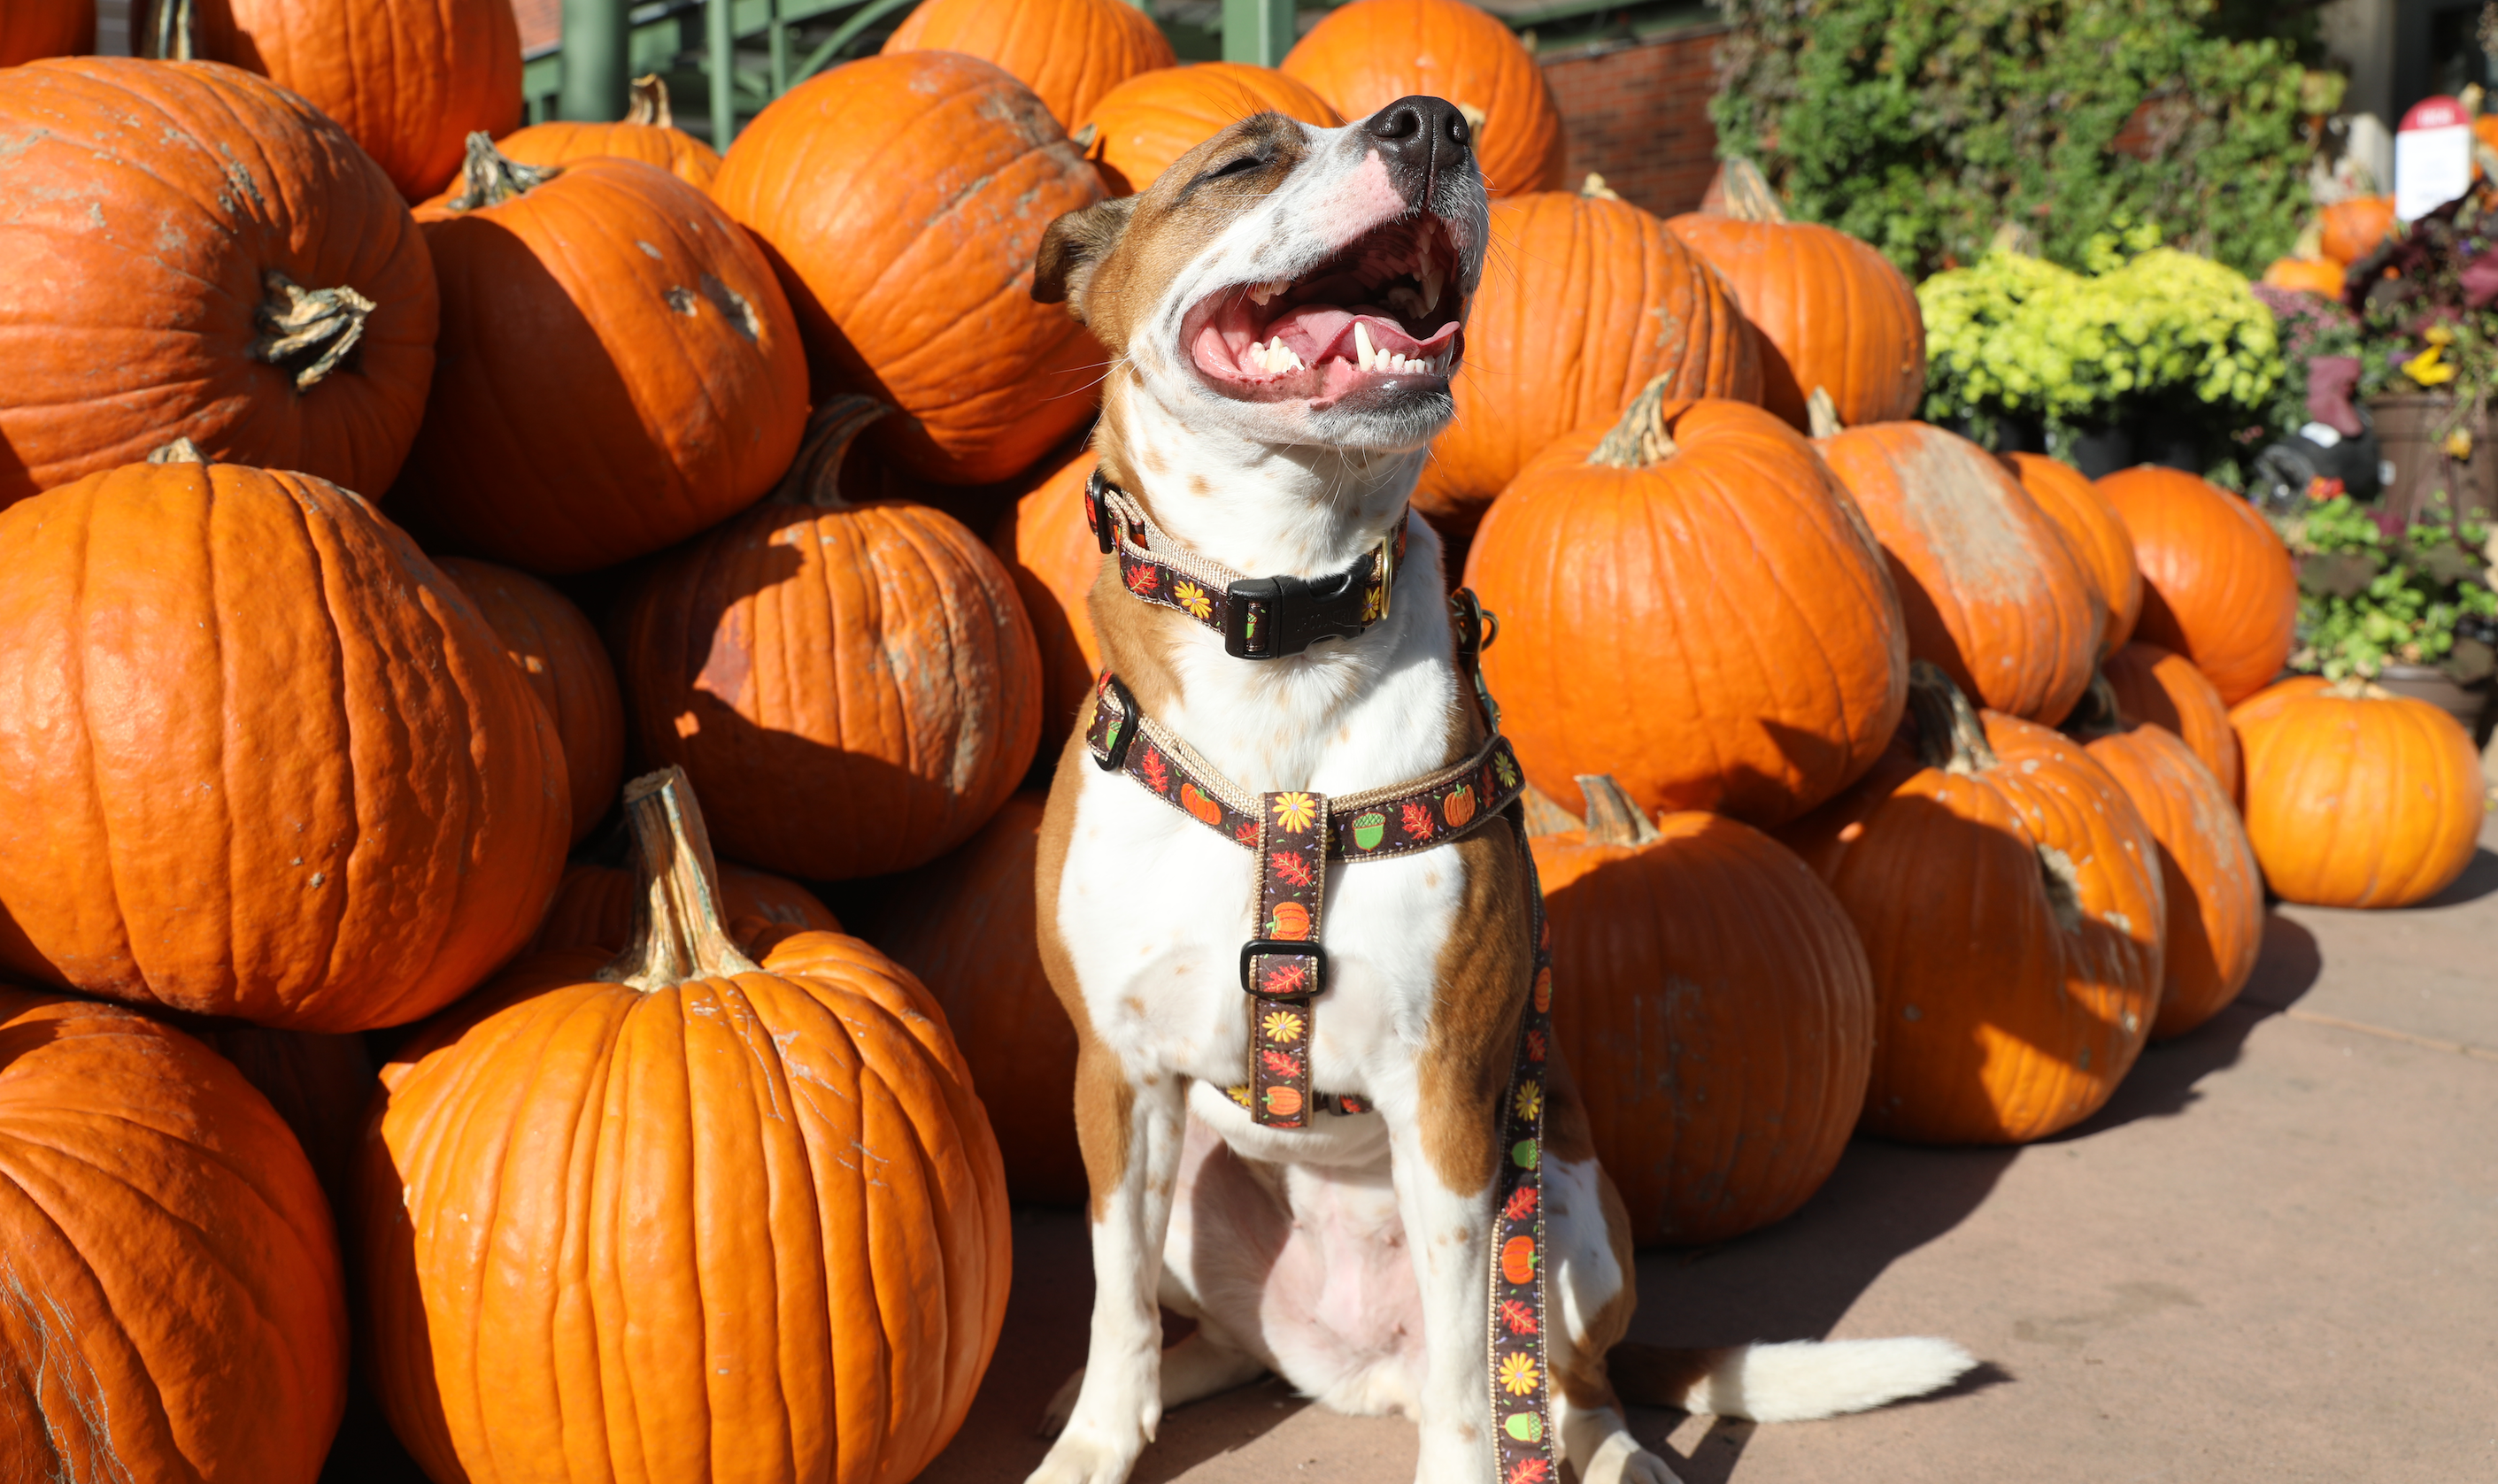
(760, 659)
(1145, 123)
(2219, 587)
(620, 369)
(556, 648)
(593, 908)
(1989, 587)
(648, 133)
(713, 1170)
(1364, 56)
(2163, 688)
(2314, 275)
(40, 28)
(2352, 227)
(1719, 1025)
(2097, 537)
(1069, 52)
(2356, 797)
(1055, 556)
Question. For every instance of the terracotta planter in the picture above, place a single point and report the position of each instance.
(2468, 705)
(2411, 429)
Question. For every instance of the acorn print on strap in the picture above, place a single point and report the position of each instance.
(1368, 830)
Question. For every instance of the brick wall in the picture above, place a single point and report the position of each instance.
(1637, 116)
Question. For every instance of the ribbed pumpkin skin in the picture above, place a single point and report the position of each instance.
(175, 1308)
(2098, 539)
(1718, 1021)
(408, 81)
(563, 142)
(2216, 909)
(2164, 688)
(761, 660)
(965, 927)
(1996, 1025)
(264, 760)
(560, 653)
(40, 28)
(1715, 631)
(1833, 311)
(2354, 228)
(1069, 52)
(1364, 56)
(939, 171)
(2219, 587)
(619, 371)
(114, 342)
(767, 1209)
(1565, 331)
(1154, 117)
(1054, 557)
(1990, 589)
(2357, 801)
(319, 1085)
(594, 908)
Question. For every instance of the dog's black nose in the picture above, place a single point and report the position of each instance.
(1427, 135)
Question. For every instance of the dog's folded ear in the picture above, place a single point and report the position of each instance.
(1073, 246)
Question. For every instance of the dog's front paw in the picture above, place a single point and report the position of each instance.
(1062, 1405)
(1083, 1457)
(1623, 1461)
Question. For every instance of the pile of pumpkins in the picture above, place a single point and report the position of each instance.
(381, 484)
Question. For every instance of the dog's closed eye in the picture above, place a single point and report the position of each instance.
(1234, 167)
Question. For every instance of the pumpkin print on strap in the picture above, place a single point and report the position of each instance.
(1521, 1403)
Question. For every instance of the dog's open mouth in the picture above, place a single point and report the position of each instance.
(1387, 305)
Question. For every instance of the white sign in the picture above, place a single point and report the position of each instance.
(2432, 157)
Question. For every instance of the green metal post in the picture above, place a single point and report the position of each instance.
(1258, 32)
(595, 39)
(722, 37)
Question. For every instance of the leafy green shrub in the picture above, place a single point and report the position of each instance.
(2373, 593)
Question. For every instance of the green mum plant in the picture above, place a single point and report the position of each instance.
(2373, 592)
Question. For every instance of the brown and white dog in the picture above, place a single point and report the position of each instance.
(1286, 307)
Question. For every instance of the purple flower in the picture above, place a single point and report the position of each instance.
(2330, 381)
(2389, 524)
(2479, 280)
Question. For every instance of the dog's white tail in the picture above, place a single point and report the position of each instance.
(1795, 1381)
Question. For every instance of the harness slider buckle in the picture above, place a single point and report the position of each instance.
(1122, 725)
(1257, 982)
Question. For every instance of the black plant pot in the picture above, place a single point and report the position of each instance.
(2102, 448)
(2003, 433)
(2137, 437)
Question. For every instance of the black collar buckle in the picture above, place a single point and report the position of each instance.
(1270, 617)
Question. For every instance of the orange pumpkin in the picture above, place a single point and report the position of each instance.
(566, 666)
(939, 171)
(1151, 120)
(619, 366)
(2010, 902)
(1567, 328)
(1989, 589)
(175, 1303)
(2354, 228)
(1719, 1020)
(1832, 311)
(409, 83)
(594, 908)
(761, 1200)
(760, 659)
(2165, 689)
(965, 925)
(2216, 908)
(320, 1087)
(260, 757)
(2315, 275)
(2356, 797)
(257, 211)
(38, 28)
(2097, 538)
(1692, 603)
(2219, 587)
(1364, 56)
(1069, 52)
(1055, 556)
(647, 133)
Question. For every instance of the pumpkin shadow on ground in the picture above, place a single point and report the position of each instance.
(2478, 880)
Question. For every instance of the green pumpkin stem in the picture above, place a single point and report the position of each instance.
(308, 332)
(1950, 735)
(678, 923)
(1613, 819)
(1640, 439)
(489, 178)
(814, 477)
(173, 38)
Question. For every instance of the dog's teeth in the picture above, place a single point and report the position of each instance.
(1430, 276)
(1362, 346)
(1262, 293)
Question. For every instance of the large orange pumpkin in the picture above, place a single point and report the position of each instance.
(760, 1201)
(648, 133)
(1151, 120)
(2164, 688)
(2096, 536)
(594, 908)
(1833, 311)
(2356, 797)
(2010, 901)
(2354, 228)
(174, 1306)
(965, 927)
(1069, 52)
(1364, 56)
(2315, 275)
(40, 28)
(1991, 590)
(620, 369)
(854, 687)
(1055, 556)
(1720, 1016)
(1691, 604)
(194, 253)
(260, 758)
(319, 1085)
(901, 197)
(2219, 587)
(2216, 908)
(1584, 302)
(567, 667)
(409, 83)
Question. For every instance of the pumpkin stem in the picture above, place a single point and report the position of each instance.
(173, 36)
(2096, 714)
(677, 924)
(1594, 187)
(489, 178)
(1640, 439)
(814, 478)
(1821, 414)
(1545, 817)
(1613, 819)
(2357, 687)
(308, 332)
(1084, 138)
(648, 102)
(180, 451)
(1745, 196)
(1950, 735)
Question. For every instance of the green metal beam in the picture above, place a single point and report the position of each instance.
(595, 37)
(721, 42)
(1258, 32)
